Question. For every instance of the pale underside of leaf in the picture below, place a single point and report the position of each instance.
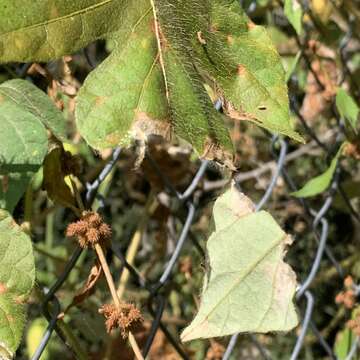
(249, 287)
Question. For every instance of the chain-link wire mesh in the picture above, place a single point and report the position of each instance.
(157, 294)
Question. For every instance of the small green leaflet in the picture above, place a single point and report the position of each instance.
(343, 343)
(320, 183)
(17, 277)
(347, 108)
(294, 13)
(248, 287)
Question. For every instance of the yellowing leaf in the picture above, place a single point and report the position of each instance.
(249, 288)
(54, 179)
(322, 9)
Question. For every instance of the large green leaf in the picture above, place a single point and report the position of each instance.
(245, 68)
(248, 287)
(47, 29)
(125, 97)
(17, 276)
(153, 82)
(25, 112)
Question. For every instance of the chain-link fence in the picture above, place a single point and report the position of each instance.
(317, 218)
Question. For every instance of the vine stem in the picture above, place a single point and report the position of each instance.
(109, 279)
(114, 295)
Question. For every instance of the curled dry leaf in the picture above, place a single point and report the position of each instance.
(88, 288)
(248, 288)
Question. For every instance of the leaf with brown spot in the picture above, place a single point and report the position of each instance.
(17, 277)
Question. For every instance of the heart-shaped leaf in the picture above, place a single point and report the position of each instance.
(248, 288)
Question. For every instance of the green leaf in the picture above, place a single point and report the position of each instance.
(248, 287)
(17, 276)
(24, 113)
(343, 342)
(347, 107)
(294, 13)
(153, 82)
(320, 183)
(31, 99)
(13, 185)
(47, 29)
(124, 98)
(240, 59)
(293, 64)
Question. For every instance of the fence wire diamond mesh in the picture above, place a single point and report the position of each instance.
(157, 294)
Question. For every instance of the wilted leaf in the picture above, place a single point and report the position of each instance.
(17, 276)
(249, 287)
(43, 30)
(153, 82)
(88, 288)
(320, 183)
(294, 13)
(347, 107)
(54, 178)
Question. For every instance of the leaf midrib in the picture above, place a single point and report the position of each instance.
(247, 272)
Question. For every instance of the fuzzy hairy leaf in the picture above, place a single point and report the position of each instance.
(245, 68)
(153, 82)
(124, 97)
(47, 29)
(253, 290)
(17, 276)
